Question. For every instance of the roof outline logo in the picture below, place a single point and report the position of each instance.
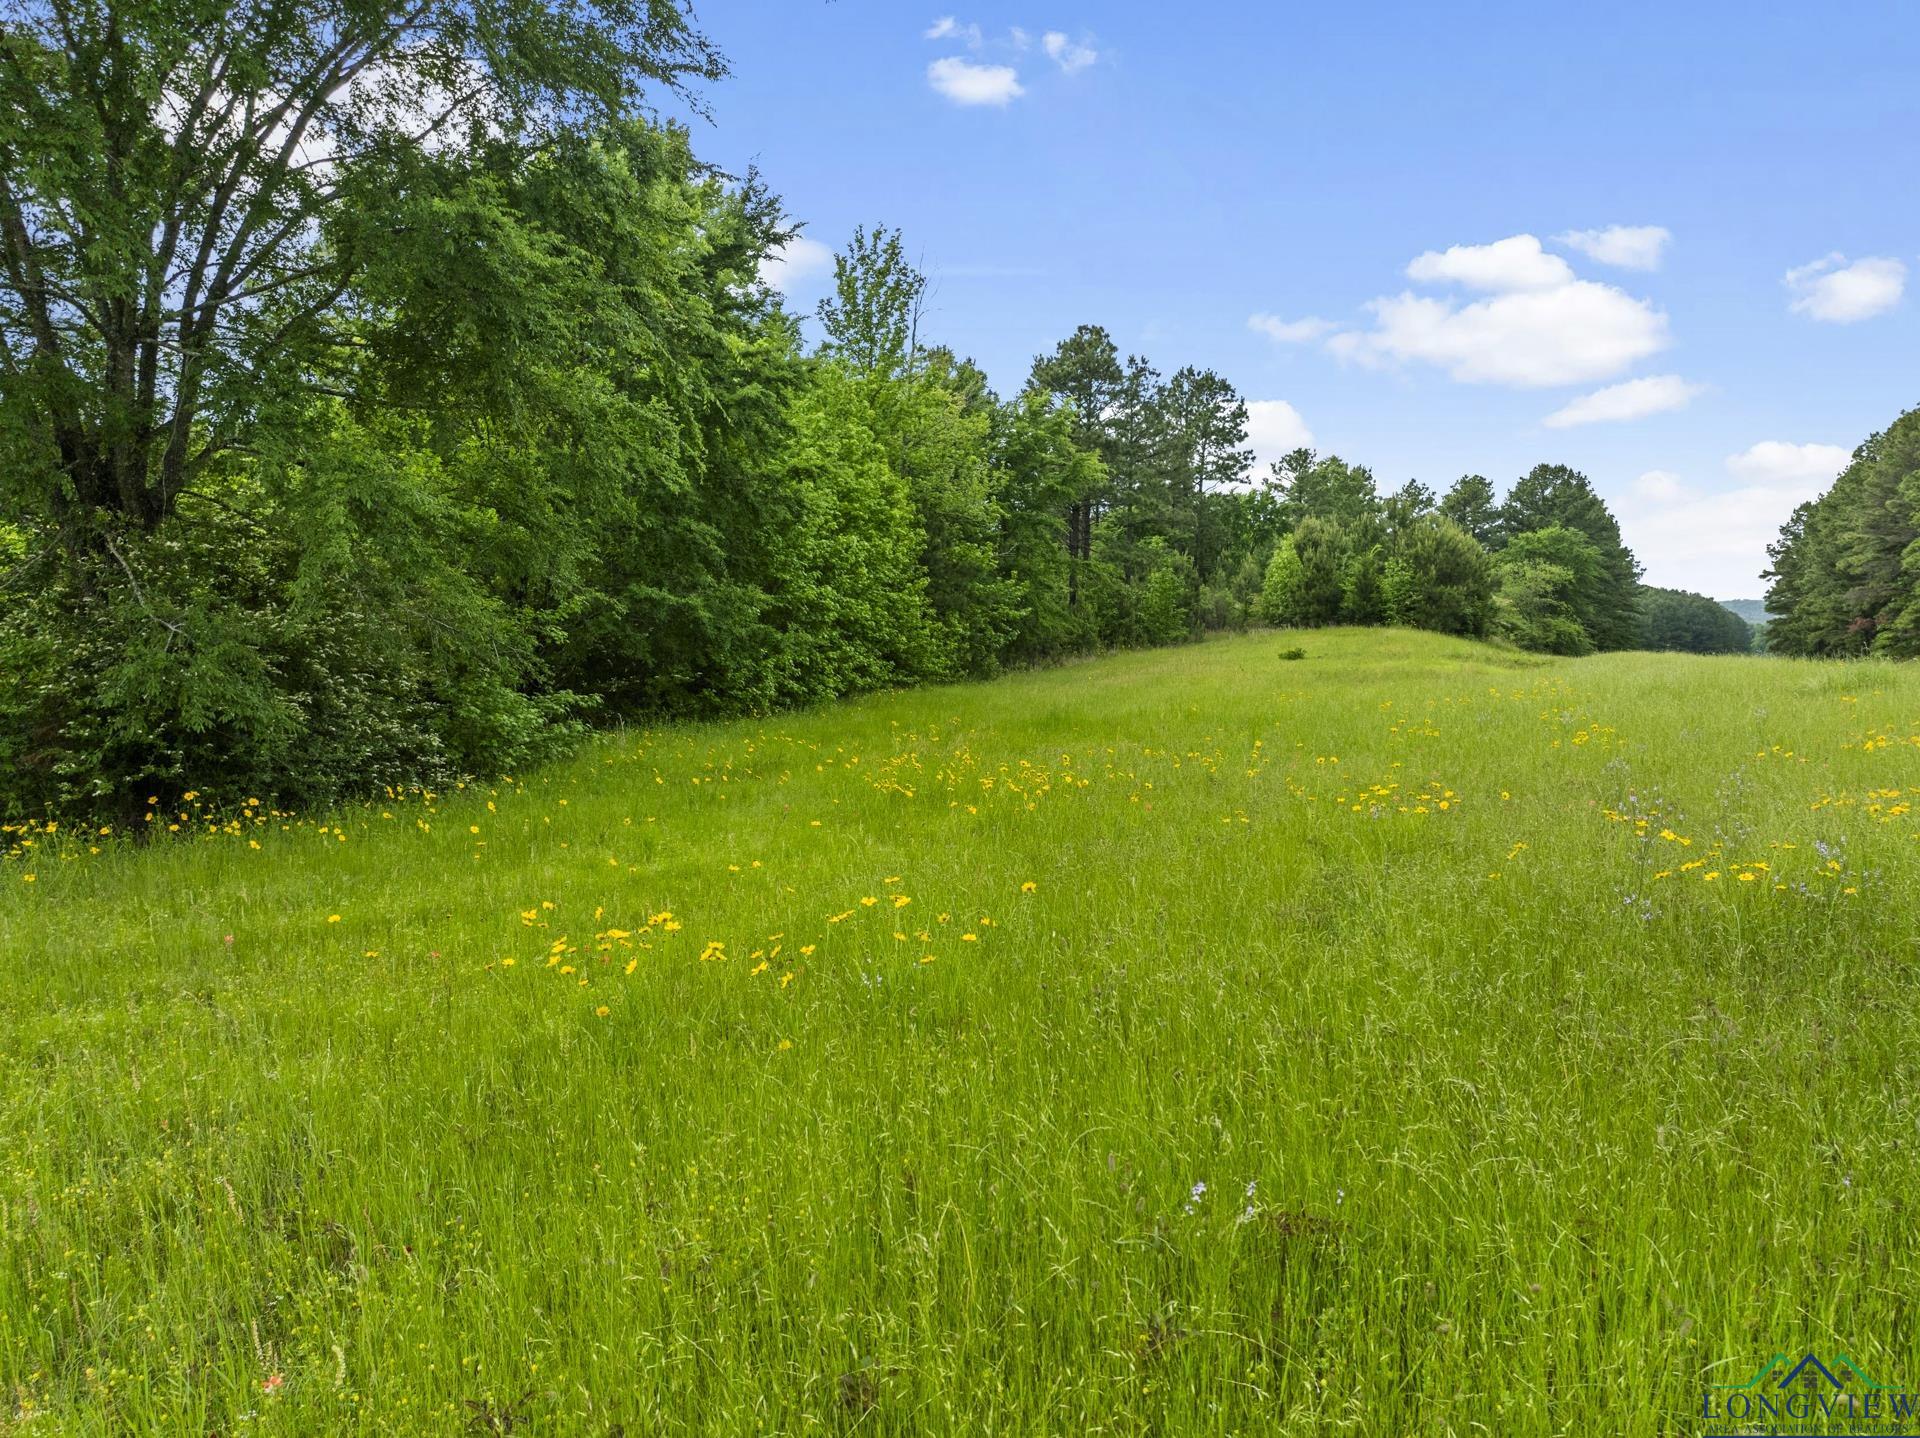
(1811, 1360)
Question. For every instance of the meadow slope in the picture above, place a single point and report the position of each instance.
(1416, 1038)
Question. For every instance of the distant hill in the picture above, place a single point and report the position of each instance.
(1680, 620)
(1754, 611)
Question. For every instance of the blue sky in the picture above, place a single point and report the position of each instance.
(1448, 216)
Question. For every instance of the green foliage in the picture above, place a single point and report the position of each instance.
(1607, 593)
(849, 593)
(1308, 580)
(1846, 568)
(1548, 579)
(873, 318)
(1471, 505)
(1362, 596)
(1327, 489)
(1439, 578)
(1166, 609)
(1676, 619)
(1281, 592)
(178, 262)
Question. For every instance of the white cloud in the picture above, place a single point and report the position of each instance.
(1274, 428)
(1635, 399)
(794, 263)
(948, 28)
(1291, 332)
(1540, 325)
(1570, 334)
(1802, 466)
(1631, 247)
(1657, 484)
(1070, 55)
(1715, 541)
(1830, 289)
(1515, 263)
(966, 83)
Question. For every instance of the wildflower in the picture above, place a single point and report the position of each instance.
(333, 918)
(1028, 887)
(602, 1012)
(868, 902)
(785, 1044)
(786, 978)
(969, 938)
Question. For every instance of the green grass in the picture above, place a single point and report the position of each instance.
(1501, 1132)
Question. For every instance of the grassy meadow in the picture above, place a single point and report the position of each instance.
(1413, 1038)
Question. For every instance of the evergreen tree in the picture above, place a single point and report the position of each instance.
(1471, 504)
(1553, 495)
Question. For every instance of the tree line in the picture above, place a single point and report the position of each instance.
(1846, 568)
(388, 395)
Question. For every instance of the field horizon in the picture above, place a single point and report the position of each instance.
(1415, 1037)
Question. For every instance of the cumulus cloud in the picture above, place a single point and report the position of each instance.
(1715, 540)
(1839, 293)
(1072, 56)
(1776, 462)
(1630, 247)
(1570, 334)
(1291, 332)
(967, 83)
(1635, 399)
(1540, 325)
(1515, 263)
(794, 263)
(1274, 428)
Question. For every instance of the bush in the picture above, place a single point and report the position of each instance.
(1219, 609)
(1439, 578)
(1166, 612)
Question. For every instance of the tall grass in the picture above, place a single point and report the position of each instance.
(1413, 1039)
